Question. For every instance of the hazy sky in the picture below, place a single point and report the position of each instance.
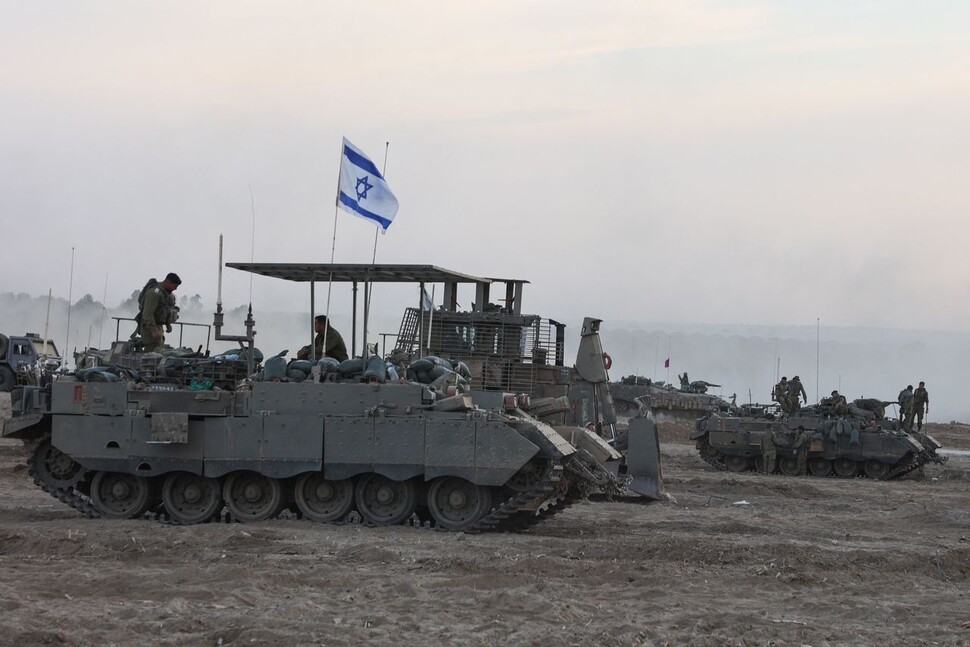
(745, 162)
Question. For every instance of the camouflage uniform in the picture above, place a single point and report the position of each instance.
(780, 394)
(769, 451)
(906, 407)
(839, 403)
(802, 444)
(921, 404)
(158, 312)
(795, 389)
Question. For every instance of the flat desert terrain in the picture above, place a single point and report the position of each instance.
(733, 559)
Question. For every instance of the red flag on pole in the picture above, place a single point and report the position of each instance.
(667, 363)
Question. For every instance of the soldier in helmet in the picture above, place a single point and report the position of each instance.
(769, 451)
(157, 309)
(905, 400)
(795, 389)
(921, 404)
(780, 394)
(839, 403)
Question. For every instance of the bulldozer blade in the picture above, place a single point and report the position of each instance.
(643, 459)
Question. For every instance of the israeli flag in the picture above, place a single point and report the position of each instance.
(362, 190)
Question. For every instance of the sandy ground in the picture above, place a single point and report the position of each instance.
(804, 561)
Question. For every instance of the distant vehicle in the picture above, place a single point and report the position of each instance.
(26, 360)
(817, 440)
(664, 402)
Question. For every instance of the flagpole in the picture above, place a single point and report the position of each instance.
(369, 290)
(333, 251)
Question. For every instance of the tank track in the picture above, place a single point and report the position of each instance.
(70, 495)
(710, 455)
(510, 515)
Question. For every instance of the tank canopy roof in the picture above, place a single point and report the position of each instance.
(361, 272)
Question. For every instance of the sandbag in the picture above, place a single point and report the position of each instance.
(302, 365)
(275, 368)
(375, 371)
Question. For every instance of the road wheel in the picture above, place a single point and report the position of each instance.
(190, 498)
(845, 467)
(736, 463)
(323, 500)
(819, 466)
(121, 496)
(788, 466)
(457, 504)
(384, 502)
(875, 469)
(253, 497)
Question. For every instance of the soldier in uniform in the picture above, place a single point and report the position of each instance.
(336, 348)
(921, 404)
(801, 444)
(839, 403)
(795, 389)
(905, 400)
(780, 394)
(769, 450)
(157, 310)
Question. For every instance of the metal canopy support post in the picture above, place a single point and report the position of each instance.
(481, 296)
(450, 298)
(421, 319)
(313, 318)
(353, 331)
(363, 347)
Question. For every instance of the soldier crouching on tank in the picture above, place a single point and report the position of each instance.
(336, 348)
(839, 403)
(156, 309)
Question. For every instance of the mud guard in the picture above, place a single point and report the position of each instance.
(643, 459)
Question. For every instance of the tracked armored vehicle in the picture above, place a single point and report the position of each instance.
(635, 395)
(816, 441)
(344, 448)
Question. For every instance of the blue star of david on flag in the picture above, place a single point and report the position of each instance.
(362, 193)
(362, 190)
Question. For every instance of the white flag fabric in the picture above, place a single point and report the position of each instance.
(426, 302)
(363, 191)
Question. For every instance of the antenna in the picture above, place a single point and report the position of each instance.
(818, 327)
(252, 245)
(104, 309)
(70, 294)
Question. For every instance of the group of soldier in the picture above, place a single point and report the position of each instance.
(787, 393)
(912, 405)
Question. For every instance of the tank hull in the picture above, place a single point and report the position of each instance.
(812, 445)
(334, 452)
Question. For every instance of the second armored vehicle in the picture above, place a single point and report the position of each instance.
(816, 441)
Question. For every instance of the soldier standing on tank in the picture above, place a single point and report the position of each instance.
(921, 404)
(780, 394)
(157, 310)
(905, 400)
(795, 389)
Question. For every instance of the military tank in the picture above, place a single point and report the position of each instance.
(817, 440)
(637, 395)
(335, 448)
